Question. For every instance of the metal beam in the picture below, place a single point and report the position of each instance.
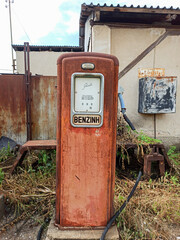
(148, 50)
(28, 90)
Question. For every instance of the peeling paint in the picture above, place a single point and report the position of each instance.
(151, 72)
(157, 95)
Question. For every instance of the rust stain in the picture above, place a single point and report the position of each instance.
(151, 72)
(43, 107)
(13, 107)
(85, 156)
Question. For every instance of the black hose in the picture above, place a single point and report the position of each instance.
(121, 208)
(47, 220)
(40, 232)
(129, 122)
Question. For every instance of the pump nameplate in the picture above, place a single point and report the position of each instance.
(87, 99)
(87, 120)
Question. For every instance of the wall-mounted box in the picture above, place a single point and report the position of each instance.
(157, 95)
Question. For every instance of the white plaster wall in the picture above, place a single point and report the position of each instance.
(101, 39)
(41, 63)
(127, 44)
(167, 56)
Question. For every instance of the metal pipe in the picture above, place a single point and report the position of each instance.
(10, 24)
(28, 90)
(154, 126)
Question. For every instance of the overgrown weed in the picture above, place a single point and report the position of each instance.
(32, 189)
(5, 153)
(153, 208)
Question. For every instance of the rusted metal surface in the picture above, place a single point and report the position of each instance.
(13, 104)
(43, 107)
(151, 72)
(32, 145)
(154, 156)
(160, 146)
(157, 95)
(28, 90)
(85, 156)
(13, 107)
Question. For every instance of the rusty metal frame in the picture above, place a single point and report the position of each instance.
(32, 145)
(28, 90)
(154, 156)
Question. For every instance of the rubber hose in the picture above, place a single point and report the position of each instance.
(123, 110)
(40, 232)
(129, 122)
(121, 208)
(42, 228)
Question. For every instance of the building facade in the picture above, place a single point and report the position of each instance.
(147, 43)
(143, 39)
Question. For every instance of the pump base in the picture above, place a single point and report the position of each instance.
(54, 233)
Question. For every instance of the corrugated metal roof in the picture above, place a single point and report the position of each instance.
(38, 48)
(131, 6)
(128, 16)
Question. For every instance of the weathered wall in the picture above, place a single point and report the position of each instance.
(42, 63)
(13, 107)
(127, 44)
(43, 107)
(101, 39)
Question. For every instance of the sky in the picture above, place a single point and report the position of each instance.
(50, 22)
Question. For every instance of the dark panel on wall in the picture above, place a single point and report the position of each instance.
(157, 95)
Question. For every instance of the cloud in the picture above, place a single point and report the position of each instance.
(31, 20)
(50, 22)
(38, 17)
(72, 22)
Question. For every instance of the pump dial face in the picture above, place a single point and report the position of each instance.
(87, 94)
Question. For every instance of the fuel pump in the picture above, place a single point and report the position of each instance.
(87, 87)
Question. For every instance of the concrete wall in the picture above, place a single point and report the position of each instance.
(127, 44)
(42, 63)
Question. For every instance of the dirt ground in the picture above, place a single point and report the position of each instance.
(23, 230)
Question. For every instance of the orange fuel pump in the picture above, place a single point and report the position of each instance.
(87, 87)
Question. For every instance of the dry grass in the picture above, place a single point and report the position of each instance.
(152, 213)
(31, 191)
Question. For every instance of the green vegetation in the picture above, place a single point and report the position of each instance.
(31, 191)
(1, 175)
(143, 138)
(152, 213)
(5, 153)
(174, 155)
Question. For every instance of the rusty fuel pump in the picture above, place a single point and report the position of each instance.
(87, 98)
